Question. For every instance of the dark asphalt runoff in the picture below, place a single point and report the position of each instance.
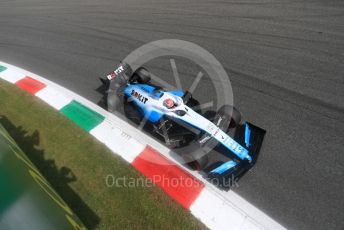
(285, 60)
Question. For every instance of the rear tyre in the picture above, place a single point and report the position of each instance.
(113, 102)
(141, 75)
(132, 113)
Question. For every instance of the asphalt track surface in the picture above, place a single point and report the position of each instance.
(285, 60)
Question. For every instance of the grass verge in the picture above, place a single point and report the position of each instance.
(77, 165)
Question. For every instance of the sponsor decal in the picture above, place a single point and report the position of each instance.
(115, 73)
(139, 96)
(234, 146)
(119, 70)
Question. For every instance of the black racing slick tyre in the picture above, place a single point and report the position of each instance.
(194, 156)
(198, 164)
(227, 117)
(235, 118)
(141, 75)
(191, 102)
(132, 113)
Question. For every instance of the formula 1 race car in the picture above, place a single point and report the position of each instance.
(171, 118)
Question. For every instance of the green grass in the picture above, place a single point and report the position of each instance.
(76, 165)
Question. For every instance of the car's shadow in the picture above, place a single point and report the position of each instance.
(59, 178)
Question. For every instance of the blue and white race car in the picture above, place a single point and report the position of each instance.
(170, 116)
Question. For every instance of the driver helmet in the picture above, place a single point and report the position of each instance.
(169, 103)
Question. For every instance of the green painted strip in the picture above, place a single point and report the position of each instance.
(83, 116)
(2, 68)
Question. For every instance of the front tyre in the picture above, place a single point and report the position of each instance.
(194, 156)
(227, 117)
(197, 164)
